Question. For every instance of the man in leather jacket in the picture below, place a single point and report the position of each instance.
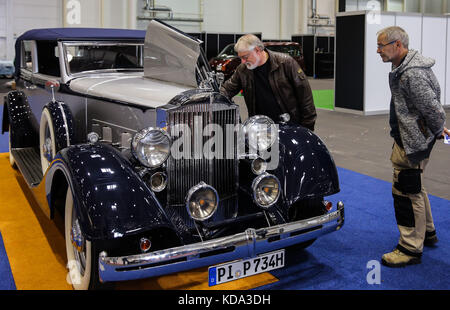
(272, 83)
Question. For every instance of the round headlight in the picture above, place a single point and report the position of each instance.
(158, 182)
(151, 146)
(202, 201)
(260, 132)
(266, 190)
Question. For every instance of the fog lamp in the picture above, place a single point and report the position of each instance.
(202, 201)
(158, 181)
(266, 190)
(259, 166)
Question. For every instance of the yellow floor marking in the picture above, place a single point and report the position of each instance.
(36, 250)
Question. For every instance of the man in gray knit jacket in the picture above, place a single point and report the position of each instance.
(417, 119)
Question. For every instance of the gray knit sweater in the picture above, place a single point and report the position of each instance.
(416, 101)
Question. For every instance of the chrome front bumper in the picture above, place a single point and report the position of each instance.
(250, 243)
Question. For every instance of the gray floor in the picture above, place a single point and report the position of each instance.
(362, 144)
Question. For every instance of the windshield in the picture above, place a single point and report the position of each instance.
(91, 56)
(228, 51)
(293, 50)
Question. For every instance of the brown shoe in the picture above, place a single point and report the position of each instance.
(397, 258)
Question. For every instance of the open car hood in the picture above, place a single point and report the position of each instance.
(170, 55)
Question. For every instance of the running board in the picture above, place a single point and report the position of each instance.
(28, 161)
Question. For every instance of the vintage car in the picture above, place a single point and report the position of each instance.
(113, 130)
(6, 69)
(227, 61)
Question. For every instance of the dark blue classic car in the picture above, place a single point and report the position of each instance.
(125, 134)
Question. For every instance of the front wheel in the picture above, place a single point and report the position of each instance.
(81, 253)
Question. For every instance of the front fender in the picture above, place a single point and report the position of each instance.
(110, 199)
(306, 169)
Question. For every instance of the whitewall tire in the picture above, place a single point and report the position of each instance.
(47, 141)
(12, 162)
(78, 249)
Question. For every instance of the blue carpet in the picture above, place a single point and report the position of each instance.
(6, 277)
(4, 139)
(340, 260)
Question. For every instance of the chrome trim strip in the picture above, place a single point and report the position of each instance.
(246, 244)
(66, 127)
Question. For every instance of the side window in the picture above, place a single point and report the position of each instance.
(48, 58)
(27, 57)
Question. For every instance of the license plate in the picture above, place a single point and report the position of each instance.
(244, 268)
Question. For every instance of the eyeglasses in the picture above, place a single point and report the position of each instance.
(246, 56)
(380, 46)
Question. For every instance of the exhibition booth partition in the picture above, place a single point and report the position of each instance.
(361, 78)
(318, 50)
(214, 43)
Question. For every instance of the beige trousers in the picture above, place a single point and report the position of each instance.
(412, 211)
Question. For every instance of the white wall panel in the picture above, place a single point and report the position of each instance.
(29, 14)
(222, 16)
(18, 16)
(413, 26)
(446, 90)
(115, 14)
(376, 81)
(289, 13)
(3, 30)
(262, 18)
(434, 47)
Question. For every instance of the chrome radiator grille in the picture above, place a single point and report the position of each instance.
(195, 165)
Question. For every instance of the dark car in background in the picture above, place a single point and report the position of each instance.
(227, 60)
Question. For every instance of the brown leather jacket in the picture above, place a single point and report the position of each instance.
(289, 85)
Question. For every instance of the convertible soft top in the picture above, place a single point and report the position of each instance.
(81, 33)
(55, 34)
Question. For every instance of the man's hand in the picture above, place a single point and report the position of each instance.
(445, 132)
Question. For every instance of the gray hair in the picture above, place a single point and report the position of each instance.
(395, 33)
(247, 43)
